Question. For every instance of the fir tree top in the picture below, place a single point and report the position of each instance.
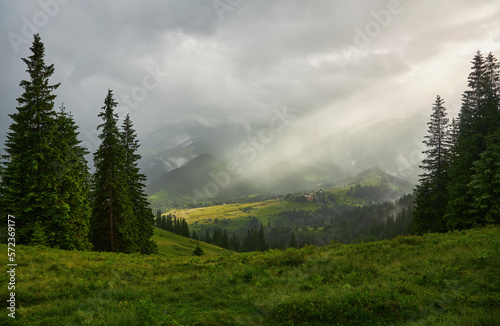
(37, 89)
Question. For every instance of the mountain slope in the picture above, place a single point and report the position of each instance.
(376, 175)
(394, 145)
(203, 178)
(206, 178)
(281, 177)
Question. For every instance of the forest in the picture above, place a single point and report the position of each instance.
(460, 186)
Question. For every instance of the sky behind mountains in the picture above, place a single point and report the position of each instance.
(332, 64)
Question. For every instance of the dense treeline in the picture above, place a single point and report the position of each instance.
(253, 240)
(461, 185)
(373, 193)
(45, 182)
(172, 224)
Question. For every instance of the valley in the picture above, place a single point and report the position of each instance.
(372, 205)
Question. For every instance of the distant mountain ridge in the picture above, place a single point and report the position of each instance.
(206, 178)
(403, 185)
(395, 145)
(390, 187)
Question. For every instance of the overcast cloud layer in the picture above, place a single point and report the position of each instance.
(337, 63)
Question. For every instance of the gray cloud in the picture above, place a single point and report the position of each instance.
(236, 66)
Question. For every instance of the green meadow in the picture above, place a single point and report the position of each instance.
(238, 213)
(170, 244)
(435, 279)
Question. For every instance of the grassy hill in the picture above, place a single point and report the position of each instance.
(237, 214)
(375, 176)
(436, 279)
(171, 244)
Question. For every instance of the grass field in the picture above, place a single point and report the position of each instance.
(436, 279)
(238, 213)
(170, 244)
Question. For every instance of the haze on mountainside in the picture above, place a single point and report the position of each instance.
(326, 85)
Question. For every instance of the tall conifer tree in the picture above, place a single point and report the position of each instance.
(35, 187)
(478, 118)
(74, 178)
(143, 219)
(112, 213)
(432, 193)
(28, 180)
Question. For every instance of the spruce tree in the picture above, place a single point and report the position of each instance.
(225, 239)
(169, 225)
(184, 229)
(194, 236)
(262, 239)
(198, 251)
(235, 243)
(432, 193)
(293, 241)
(485, 185)
(36, 184)
(38, 237)
(158, 219)
(112, 211)
(74, 178)
(143, 219)
(28, 147)
(479, 116)
(454, 131)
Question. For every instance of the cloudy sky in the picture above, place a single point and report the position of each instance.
(336, 64)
